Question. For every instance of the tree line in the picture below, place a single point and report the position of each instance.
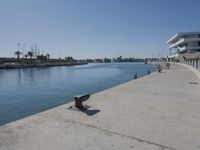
(29, 54)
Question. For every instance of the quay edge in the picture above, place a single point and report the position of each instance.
(158, 111)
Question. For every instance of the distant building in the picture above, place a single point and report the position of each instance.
(185, 47)
(119, 59)
(89, 60)
(98, 60)
(69, 59)
(106, 60)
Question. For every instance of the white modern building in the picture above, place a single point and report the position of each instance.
(185, 47)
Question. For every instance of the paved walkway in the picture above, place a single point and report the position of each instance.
(156, 112)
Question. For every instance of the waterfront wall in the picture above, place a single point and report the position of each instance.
(18, 66)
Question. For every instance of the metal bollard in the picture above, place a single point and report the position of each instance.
(79, 99)
(135, 76)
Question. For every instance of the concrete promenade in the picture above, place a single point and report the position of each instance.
(157, 112)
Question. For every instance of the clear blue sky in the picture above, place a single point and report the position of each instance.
(95, 28)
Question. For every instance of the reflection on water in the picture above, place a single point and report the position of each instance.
(27, 91)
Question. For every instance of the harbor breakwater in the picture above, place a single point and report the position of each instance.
(39, 65)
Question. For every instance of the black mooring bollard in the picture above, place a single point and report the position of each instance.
(79, 99)
(148, 72)
(135, 76)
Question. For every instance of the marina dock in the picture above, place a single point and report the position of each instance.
(157, 112)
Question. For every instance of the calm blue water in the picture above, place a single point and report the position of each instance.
(28, 91)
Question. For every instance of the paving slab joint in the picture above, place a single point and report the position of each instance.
(163, 147)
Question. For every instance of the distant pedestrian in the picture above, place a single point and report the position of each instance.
(159, 68)
(167, 65)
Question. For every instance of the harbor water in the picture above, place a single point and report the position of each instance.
(24, 92)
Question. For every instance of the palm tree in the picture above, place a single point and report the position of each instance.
(18, 53)
(48, 56)
(26, 56)
(30, 54)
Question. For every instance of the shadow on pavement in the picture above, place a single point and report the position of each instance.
(91, 112)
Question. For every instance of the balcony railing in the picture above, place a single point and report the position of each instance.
(188, 48)
(184, 40)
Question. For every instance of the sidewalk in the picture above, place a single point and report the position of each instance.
(156, 112)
